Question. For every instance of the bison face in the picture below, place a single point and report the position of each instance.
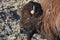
(28, 22)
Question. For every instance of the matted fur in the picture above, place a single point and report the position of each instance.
(46, 23)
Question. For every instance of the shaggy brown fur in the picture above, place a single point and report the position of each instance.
(28, 20)
(47, 23)
(51, 21)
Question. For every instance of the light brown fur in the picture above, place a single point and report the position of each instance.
(47, 24)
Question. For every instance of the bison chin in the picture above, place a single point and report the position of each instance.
(28, 29)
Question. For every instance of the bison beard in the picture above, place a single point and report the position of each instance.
(38, 22)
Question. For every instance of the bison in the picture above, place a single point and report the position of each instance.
(33, 20)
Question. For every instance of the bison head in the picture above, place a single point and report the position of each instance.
(29, 16)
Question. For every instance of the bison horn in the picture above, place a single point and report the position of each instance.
(33, 10)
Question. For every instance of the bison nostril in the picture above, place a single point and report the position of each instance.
(22, 30)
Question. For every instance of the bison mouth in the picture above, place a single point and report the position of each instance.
(28, 29)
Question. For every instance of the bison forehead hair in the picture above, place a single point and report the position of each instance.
(32, 6)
